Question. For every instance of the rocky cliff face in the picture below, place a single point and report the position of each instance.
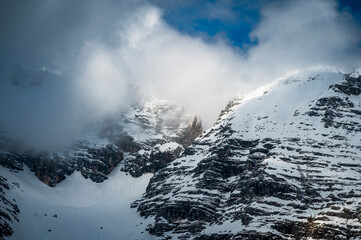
(282, 163)
(144, 138)
(152, 134)
(8, 209)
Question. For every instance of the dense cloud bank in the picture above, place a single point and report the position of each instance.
(65, 65)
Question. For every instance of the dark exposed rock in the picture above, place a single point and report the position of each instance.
(8, 209)
(351, 86)
(317, 228)
(149, 164)
(95, 164)
(248, 235)
(333, 109)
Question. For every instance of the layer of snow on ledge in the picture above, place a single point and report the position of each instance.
(169, 146)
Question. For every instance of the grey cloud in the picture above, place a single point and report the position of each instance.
(95, 50)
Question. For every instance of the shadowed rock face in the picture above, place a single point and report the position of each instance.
(143, 139)
(93, 163)
(8, 209)
(284, 164)
(53, 167)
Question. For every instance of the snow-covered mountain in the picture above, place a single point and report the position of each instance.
(142, 139)
(281, 163)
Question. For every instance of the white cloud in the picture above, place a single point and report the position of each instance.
(292, 35)
(136, 47)
(301, 34)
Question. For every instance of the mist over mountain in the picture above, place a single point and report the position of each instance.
(180, 119)
(95, 50)
(281, 162)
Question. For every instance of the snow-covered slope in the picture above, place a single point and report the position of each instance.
(282, 163)
(76, 208)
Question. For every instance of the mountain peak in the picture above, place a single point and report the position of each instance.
(275, 166)
(356, 73)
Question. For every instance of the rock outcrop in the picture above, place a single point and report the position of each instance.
(8, 209)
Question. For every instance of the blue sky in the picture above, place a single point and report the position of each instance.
(229, 19)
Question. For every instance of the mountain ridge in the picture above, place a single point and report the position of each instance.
(279, 164)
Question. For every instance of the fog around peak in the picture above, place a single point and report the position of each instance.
(66, 65)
